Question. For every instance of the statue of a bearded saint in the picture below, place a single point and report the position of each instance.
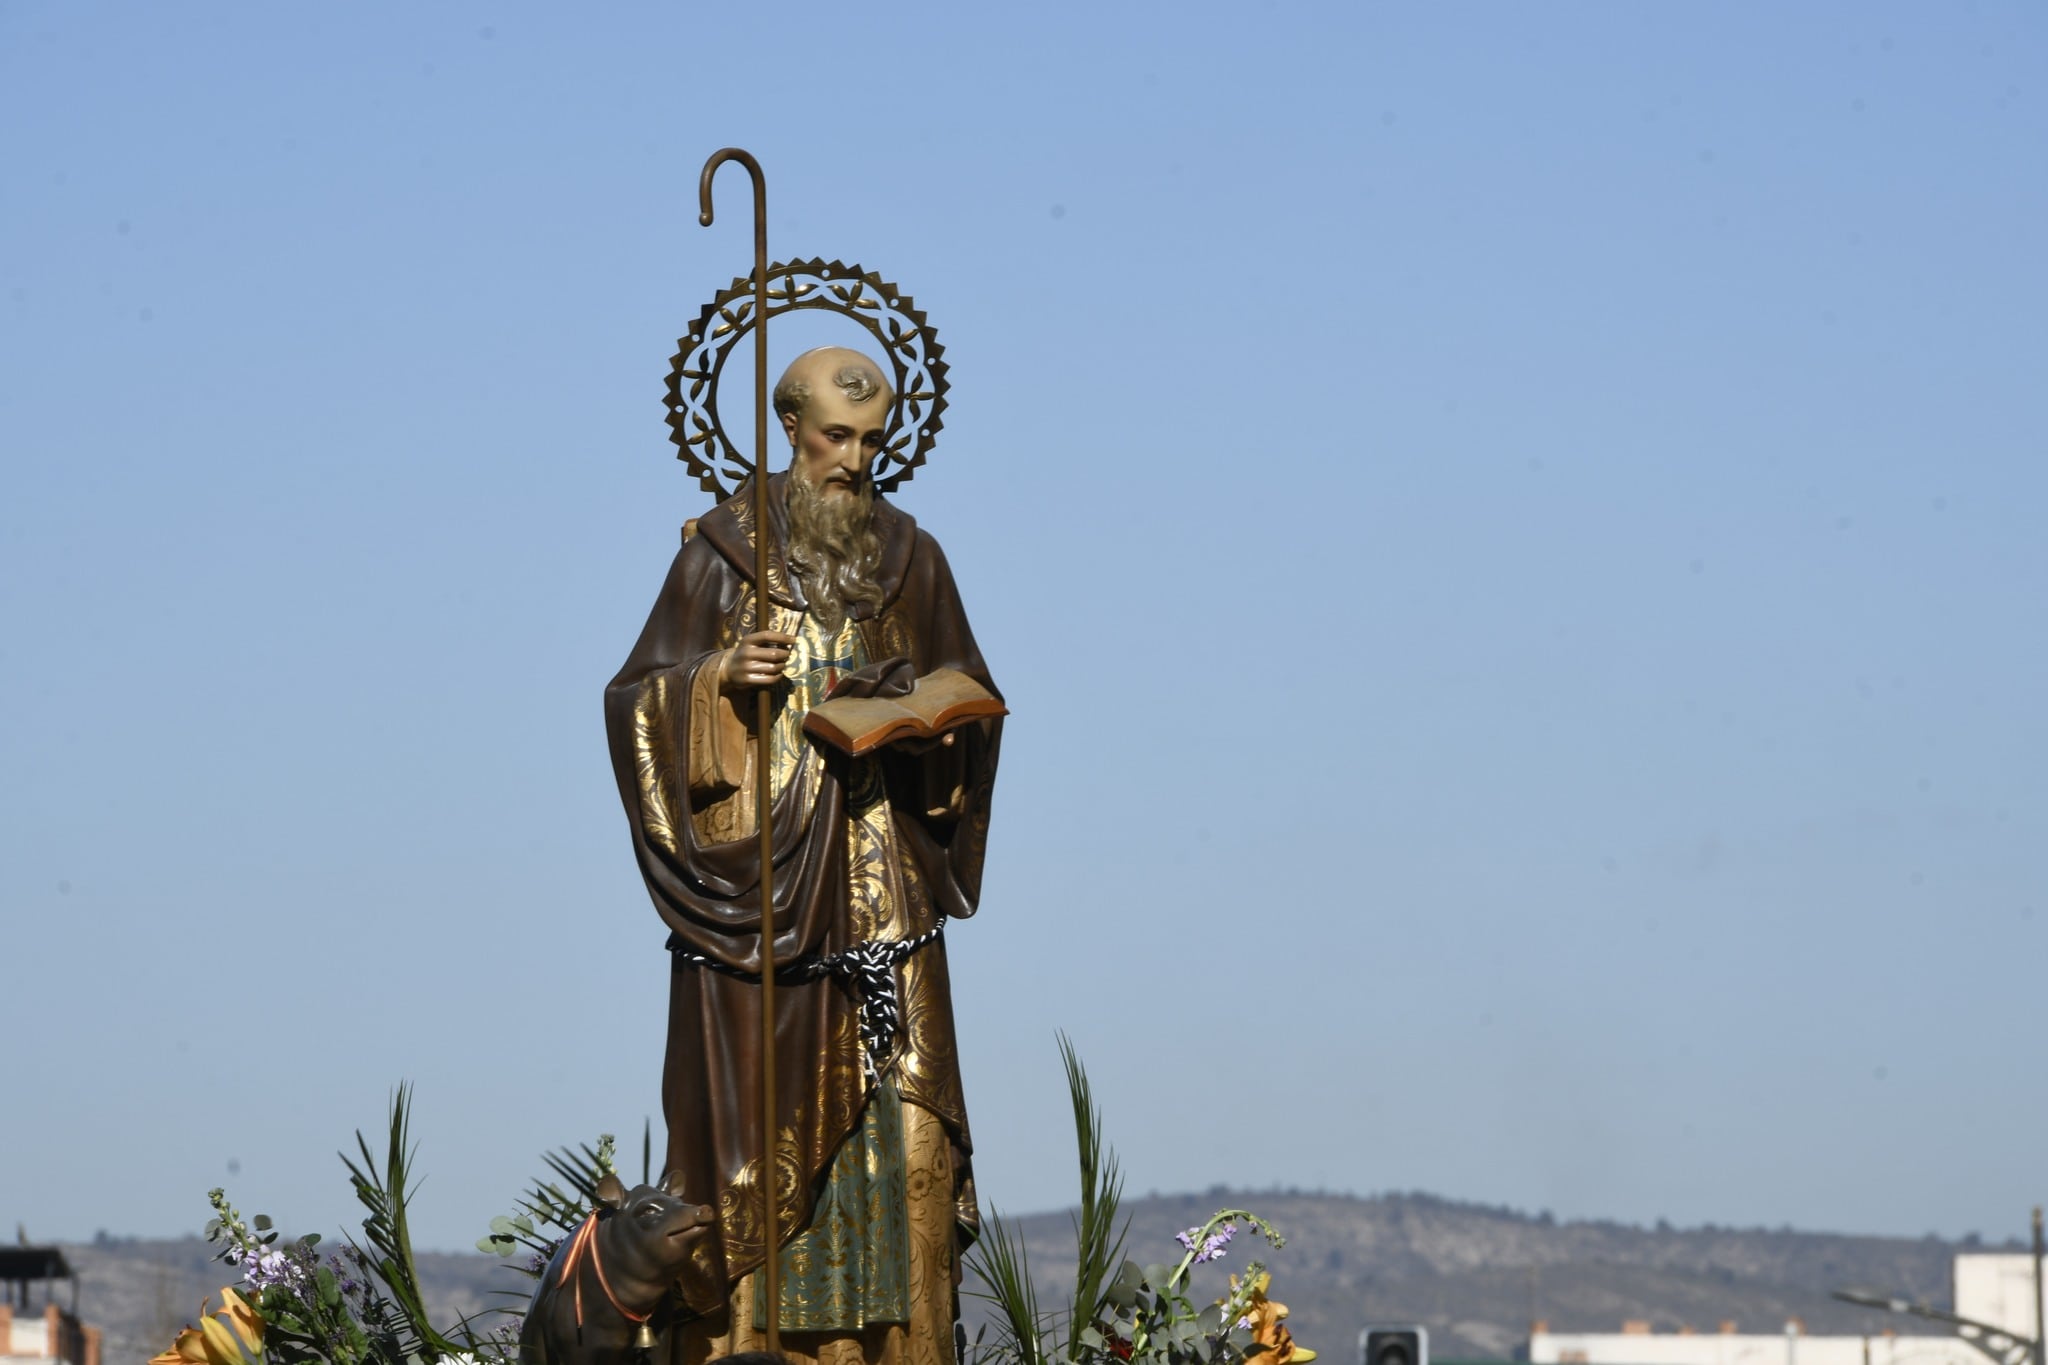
(871, 856)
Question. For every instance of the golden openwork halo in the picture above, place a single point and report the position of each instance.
(889, 316)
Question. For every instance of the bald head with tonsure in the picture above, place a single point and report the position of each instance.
(829, 367)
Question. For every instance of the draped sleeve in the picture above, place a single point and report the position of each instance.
(677, 746)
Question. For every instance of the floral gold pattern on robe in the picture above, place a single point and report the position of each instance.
(927, 1339)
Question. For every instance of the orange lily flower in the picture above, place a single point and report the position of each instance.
(212, 1342)
(1264, 1316)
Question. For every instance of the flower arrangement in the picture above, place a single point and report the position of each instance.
(1146, 1315)
(299, 1305)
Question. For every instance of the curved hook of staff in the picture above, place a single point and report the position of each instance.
(753, 168)
(704, 216)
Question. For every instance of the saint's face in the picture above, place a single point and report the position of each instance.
(836, 440)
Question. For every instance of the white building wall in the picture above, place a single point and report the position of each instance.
(1998, 1289)
(1734, 1348)
(30, 1337)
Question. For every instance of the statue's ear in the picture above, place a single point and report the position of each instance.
(789, 427)
(672, 1183)
(611, 1192)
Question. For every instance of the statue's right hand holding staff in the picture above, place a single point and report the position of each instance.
(756, 661)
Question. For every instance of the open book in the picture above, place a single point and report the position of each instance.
(942, 699)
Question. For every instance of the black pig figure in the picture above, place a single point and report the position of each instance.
(608, 1277)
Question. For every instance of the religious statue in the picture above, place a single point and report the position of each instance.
(876, 838)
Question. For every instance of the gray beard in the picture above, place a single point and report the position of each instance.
(834, 549)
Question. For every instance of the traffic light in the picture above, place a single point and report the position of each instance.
(1393, 1346)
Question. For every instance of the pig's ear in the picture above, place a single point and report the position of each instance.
(672, 1183)
(610, 1192)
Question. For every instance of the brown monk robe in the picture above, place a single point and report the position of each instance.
(866, 850)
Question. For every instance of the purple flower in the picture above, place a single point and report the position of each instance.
(269, 1266)
(1212, 1246)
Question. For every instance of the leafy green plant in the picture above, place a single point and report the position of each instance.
(360, 1306)
(1121, 1311)
(549, 1205)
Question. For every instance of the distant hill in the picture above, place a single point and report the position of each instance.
(1475, 1275)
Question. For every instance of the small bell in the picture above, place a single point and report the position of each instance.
(643, 1337)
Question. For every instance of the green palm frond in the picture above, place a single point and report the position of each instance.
(580, 1169)
(1099, 1239)
(998, 1261)
(385, 1192)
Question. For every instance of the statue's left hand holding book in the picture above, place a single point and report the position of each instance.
(942, 700)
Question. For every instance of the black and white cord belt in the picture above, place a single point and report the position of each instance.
(868, 966)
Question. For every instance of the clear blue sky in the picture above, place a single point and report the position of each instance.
(1513, 534)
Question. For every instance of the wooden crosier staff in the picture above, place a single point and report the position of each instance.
(771, 1269)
